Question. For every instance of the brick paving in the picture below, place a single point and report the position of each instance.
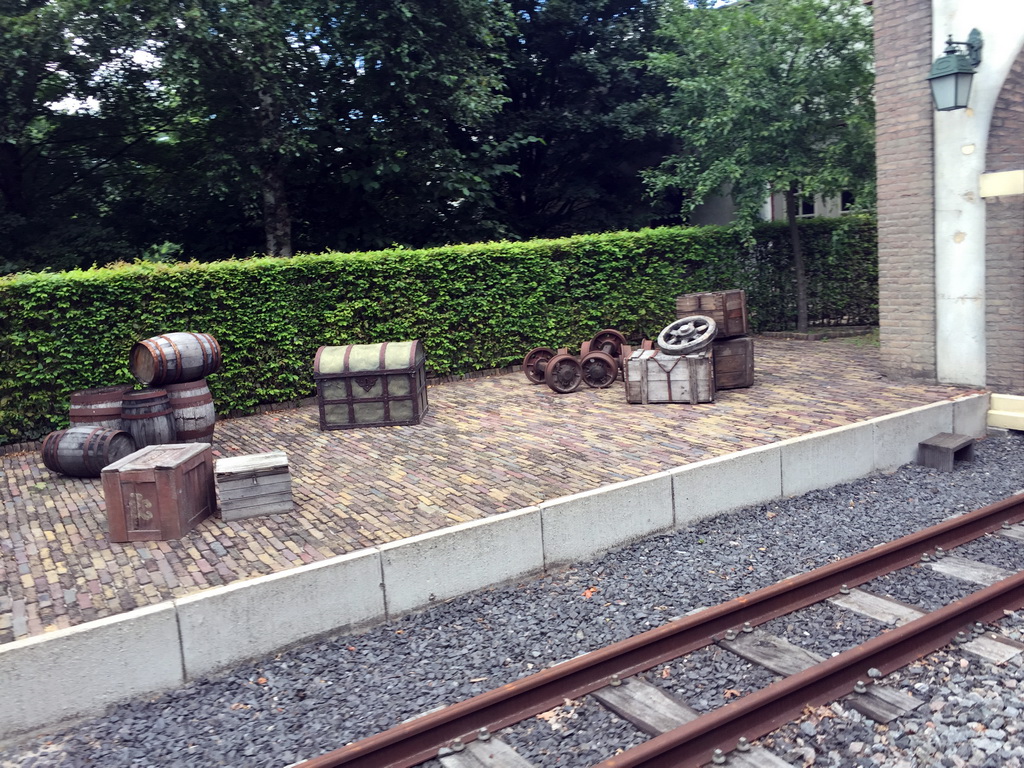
(486, 446)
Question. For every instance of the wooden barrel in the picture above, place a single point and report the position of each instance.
(194, 413)
(85, 451)
(147, 415)
(174, 357)
(100, 407)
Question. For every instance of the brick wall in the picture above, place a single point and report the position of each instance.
(906, 231)
(1004, 242)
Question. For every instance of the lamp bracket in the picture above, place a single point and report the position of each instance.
(971, 48)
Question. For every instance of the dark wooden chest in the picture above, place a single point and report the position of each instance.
(371, 385)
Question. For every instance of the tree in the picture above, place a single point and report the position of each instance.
(55, 161)
(768, 96)
(580, 120)
(305, 102)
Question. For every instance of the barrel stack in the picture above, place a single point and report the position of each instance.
(175, 366)
(110, 422)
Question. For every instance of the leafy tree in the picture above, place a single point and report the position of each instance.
(580, 120)
(55, 161)
(310, 109)
(768, 96)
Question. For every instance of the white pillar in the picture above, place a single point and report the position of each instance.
(961, 139)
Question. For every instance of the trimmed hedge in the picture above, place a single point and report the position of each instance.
(473, 306)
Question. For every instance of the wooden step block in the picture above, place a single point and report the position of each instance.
(256, 484)
(944, 449)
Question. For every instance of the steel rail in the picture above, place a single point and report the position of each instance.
(420, 739)
(761, 712)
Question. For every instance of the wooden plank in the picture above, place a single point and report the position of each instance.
(493, 753)
(251, 464)
(252, 510)
(255, 496)
(646, 706)
(877, 607)
(771, 652)
(1013, 532)
(655, 711)
(994, 648)
(756, 757)
(969, 570)
(991, 647)
(882, 703)
(247, 488)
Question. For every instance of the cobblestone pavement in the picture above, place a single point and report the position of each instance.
(486, 446)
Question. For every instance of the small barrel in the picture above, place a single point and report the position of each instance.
(100, 407)
(194, 412)
(85, 451)
(147, 415)
(174, 357)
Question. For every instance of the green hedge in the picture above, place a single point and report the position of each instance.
(473, 306)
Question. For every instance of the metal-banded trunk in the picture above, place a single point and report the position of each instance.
(654, 377)
(727, 308)
(371, 385)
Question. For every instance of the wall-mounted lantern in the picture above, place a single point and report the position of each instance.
(951, 74)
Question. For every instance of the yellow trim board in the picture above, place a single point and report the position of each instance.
(1001, 184)
(1006, 411)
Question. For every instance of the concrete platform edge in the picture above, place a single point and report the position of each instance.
(75, 672)
(196, 635)
(432, 567)
(222, 626)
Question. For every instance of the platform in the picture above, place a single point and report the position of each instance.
(487, 446)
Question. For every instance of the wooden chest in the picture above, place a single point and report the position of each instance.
(159, 492)
(371, 385)
(727, 308)
(734, 362)
(257, 484)
(654, 377)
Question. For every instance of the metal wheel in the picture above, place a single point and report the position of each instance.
(563, 374)
(687, 334)
(535, 362)
(608, 341)
(599, 370)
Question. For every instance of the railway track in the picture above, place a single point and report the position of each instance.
(466, 734)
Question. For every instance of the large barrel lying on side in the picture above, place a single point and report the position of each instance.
(99, 407)
(85, 451)
(147, 415)
(174, 357)
(194, 412)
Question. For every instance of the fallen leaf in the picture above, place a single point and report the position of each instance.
(589, 592)
(666, 673)
(351, 647)
(770, 515)
(732, 693)
(261, 680)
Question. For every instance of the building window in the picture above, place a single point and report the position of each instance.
(846, 202)
(806, 208)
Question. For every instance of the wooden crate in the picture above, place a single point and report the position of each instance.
(159, 492)
(257, 484)
(734, 362)
(727, 308)
(654, 377)
(371, 385)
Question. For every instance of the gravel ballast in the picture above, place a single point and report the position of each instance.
(316, 697)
